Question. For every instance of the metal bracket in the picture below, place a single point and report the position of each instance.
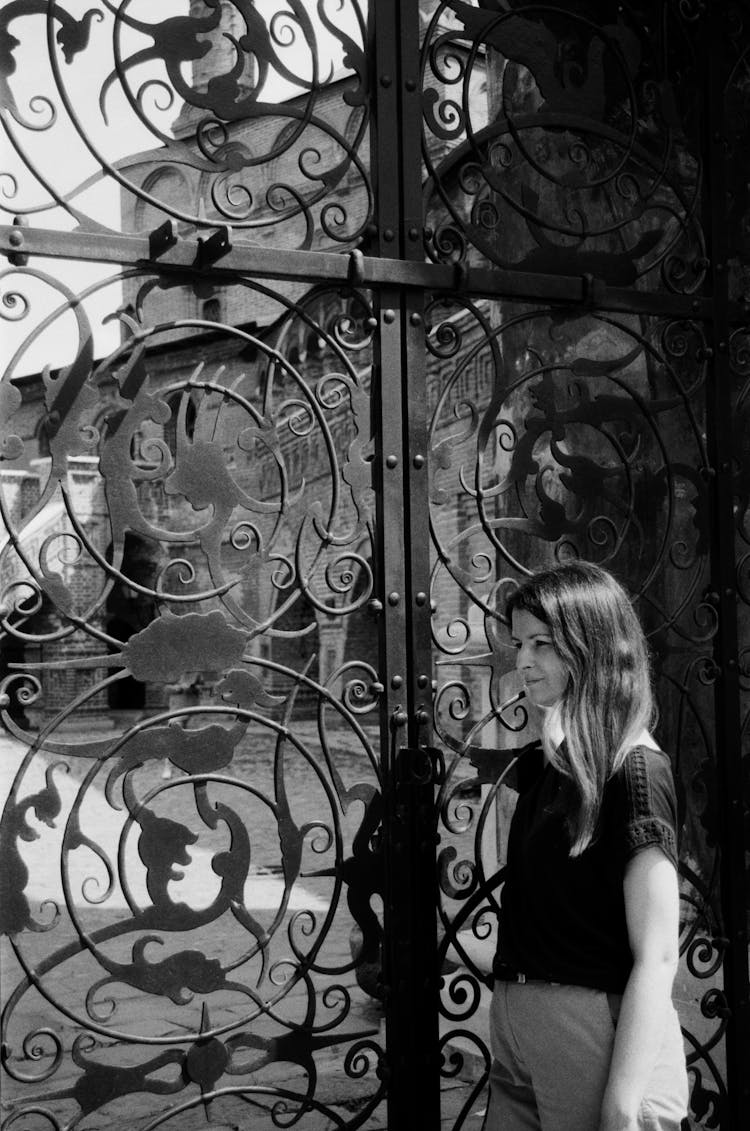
(217, 245)
(461, 276)
(593, 290)
(161, 239)
(356, 268)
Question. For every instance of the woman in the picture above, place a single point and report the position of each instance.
(583, 1031)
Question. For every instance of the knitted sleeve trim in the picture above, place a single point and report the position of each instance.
(651, 815)
(649, 833)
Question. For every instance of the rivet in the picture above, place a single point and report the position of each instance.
(388, 316)
(729, 593)
(722, 347)
(374, 606)
(421, 598)
(391, 461)
(413, 233)
(394, 598)
(411, 84)
(423, 680)
(415, 319)
(418, 461)
(397, 682)
(371, 323)
(388, 235)
(422, 717)
(15, 239)
(400, 718)
(385, 80)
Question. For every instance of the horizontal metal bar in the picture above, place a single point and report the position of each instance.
(238, 257)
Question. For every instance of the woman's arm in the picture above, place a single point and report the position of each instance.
(652, 912)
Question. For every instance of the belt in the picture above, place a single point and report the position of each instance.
(504, 973)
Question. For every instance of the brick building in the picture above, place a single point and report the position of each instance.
(195, 339)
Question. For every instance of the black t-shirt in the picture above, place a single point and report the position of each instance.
(563, 918)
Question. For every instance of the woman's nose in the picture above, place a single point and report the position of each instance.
(523, 658)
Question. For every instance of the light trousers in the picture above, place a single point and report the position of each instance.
(552, 1048)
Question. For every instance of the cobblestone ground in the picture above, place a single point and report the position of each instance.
(341, 1095)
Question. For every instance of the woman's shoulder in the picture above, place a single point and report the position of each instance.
(646, 757)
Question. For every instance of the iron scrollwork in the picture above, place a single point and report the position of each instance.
(196, 566)
(220, 114)
(191, 547)
(565, 141)
(558, 434)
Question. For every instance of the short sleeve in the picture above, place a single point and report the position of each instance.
(649, 803)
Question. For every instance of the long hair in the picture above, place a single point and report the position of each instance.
(608, 700)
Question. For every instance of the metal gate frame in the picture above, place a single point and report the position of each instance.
(396, 271)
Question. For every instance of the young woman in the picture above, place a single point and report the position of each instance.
(583, 1032)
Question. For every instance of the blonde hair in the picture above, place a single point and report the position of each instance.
(608, 701)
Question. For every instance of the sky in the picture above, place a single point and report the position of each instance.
(61, 155)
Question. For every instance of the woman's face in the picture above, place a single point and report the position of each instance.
(545, 676)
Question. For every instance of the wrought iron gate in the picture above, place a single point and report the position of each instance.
(323, 326)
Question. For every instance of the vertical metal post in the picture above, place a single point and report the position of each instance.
(734, 844)
(410, 950)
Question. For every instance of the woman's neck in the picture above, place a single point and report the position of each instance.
(553, 727)
(556, 735)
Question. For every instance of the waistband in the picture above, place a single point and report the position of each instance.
(502, 972)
